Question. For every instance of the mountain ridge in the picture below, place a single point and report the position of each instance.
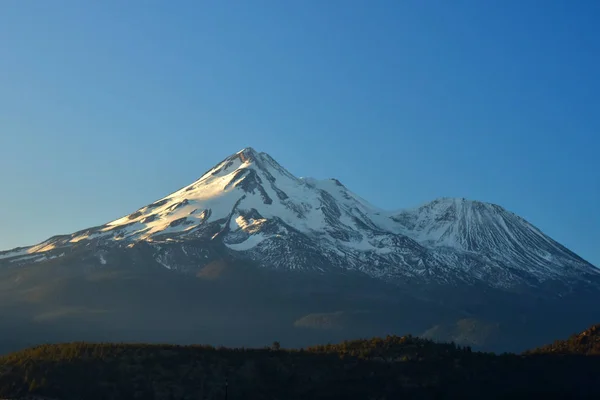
(256, 208)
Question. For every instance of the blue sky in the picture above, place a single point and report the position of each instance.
(107, 106)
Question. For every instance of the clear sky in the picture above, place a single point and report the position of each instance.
(106, 106)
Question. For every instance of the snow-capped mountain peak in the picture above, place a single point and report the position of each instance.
(449, 221)
(247, 182)
(256, 209)
(488, 230)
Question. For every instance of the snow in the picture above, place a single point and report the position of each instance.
(41, 248)
(161, 260)
(33, 258)
(249, 243)
(87, 236)
(344, 196)
(364, 245)
(247, 225)
(79, 238)
(447, 230)
(546, 256)
(14, 253)
(219, 194)
(216, 191)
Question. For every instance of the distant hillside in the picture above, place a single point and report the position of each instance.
(379, 368)
(584, 343)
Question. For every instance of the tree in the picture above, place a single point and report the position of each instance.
(33, 386)
(276, 346)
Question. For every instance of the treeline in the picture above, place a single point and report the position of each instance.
(380, 368)
(584, 343)
(391, 348)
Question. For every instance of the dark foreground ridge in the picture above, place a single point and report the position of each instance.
(379, 368)
(584, 343)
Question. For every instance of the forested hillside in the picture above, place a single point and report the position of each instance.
(379, 368)
(585, 343)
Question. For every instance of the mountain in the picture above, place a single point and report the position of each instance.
(261, 212)
(510, 247)
(300, 251)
